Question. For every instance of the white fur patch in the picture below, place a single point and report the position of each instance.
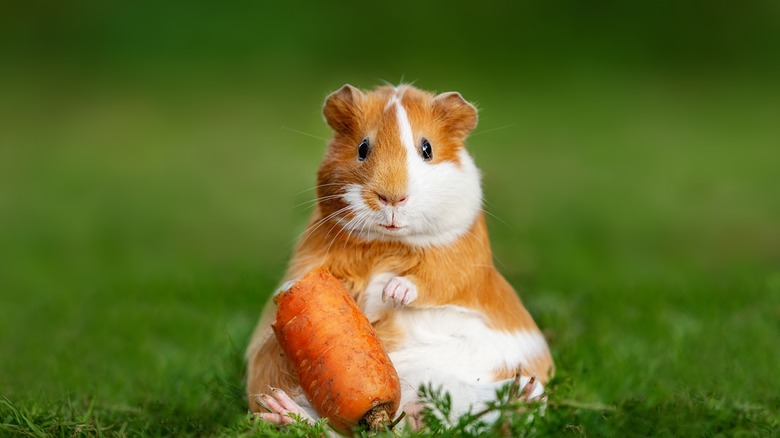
(452, 348)
(443, 201)
(460, 339)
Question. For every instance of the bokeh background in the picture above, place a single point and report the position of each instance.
(156, 160)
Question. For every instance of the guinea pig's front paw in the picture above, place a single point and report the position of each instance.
(401, 290)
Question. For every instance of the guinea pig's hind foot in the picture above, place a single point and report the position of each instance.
(281, 408)
(529, 389)
(413, 412)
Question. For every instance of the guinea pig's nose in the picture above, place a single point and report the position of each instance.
(392, 200)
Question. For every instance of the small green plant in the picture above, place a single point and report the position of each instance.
(506, 415)
(252, 427)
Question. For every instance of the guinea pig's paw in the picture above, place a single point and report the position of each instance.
(281, 408)
(400, 290)
(530, 389)
(414, 410)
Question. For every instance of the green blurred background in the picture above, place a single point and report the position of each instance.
(155, 161)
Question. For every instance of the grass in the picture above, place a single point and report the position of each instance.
(141, 229)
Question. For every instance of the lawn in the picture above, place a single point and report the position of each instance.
(147, 211)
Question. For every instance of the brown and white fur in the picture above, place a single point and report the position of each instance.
(404, 230)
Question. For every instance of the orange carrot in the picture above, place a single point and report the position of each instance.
(341, 364)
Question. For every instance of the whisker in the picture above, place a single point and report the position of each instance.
(341, 230)
(358, 217)
(312, 202)
(307, 233)
(318, 186)
(492, 130)
(305, 133)
(359, 214)
(341, 221)
(364, 215)
(498, 218)
(491, 250)
(368, 213)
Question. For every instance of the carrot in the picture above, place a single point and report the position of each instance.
(342, 366)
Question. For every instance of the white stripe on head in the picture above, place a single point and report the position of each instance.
(404, 127)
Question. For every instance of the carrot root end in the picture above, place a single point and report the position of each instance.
(378, 417)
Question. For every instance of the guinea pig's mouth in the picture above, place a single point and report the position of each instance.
(391, 227)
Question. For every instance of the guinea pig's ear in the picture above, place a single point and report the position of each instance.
(452, 110)
(342, 108)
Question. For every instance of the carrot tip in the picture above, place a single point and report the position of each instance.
(378, 417)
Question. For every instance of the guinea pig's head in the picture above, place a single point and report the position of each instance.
(397, 167)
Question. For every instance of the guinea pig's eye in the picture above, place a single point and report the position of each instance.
(426, 150)
(363, 150)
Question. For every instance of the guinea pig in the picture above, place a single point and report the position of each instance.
(399, 221)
